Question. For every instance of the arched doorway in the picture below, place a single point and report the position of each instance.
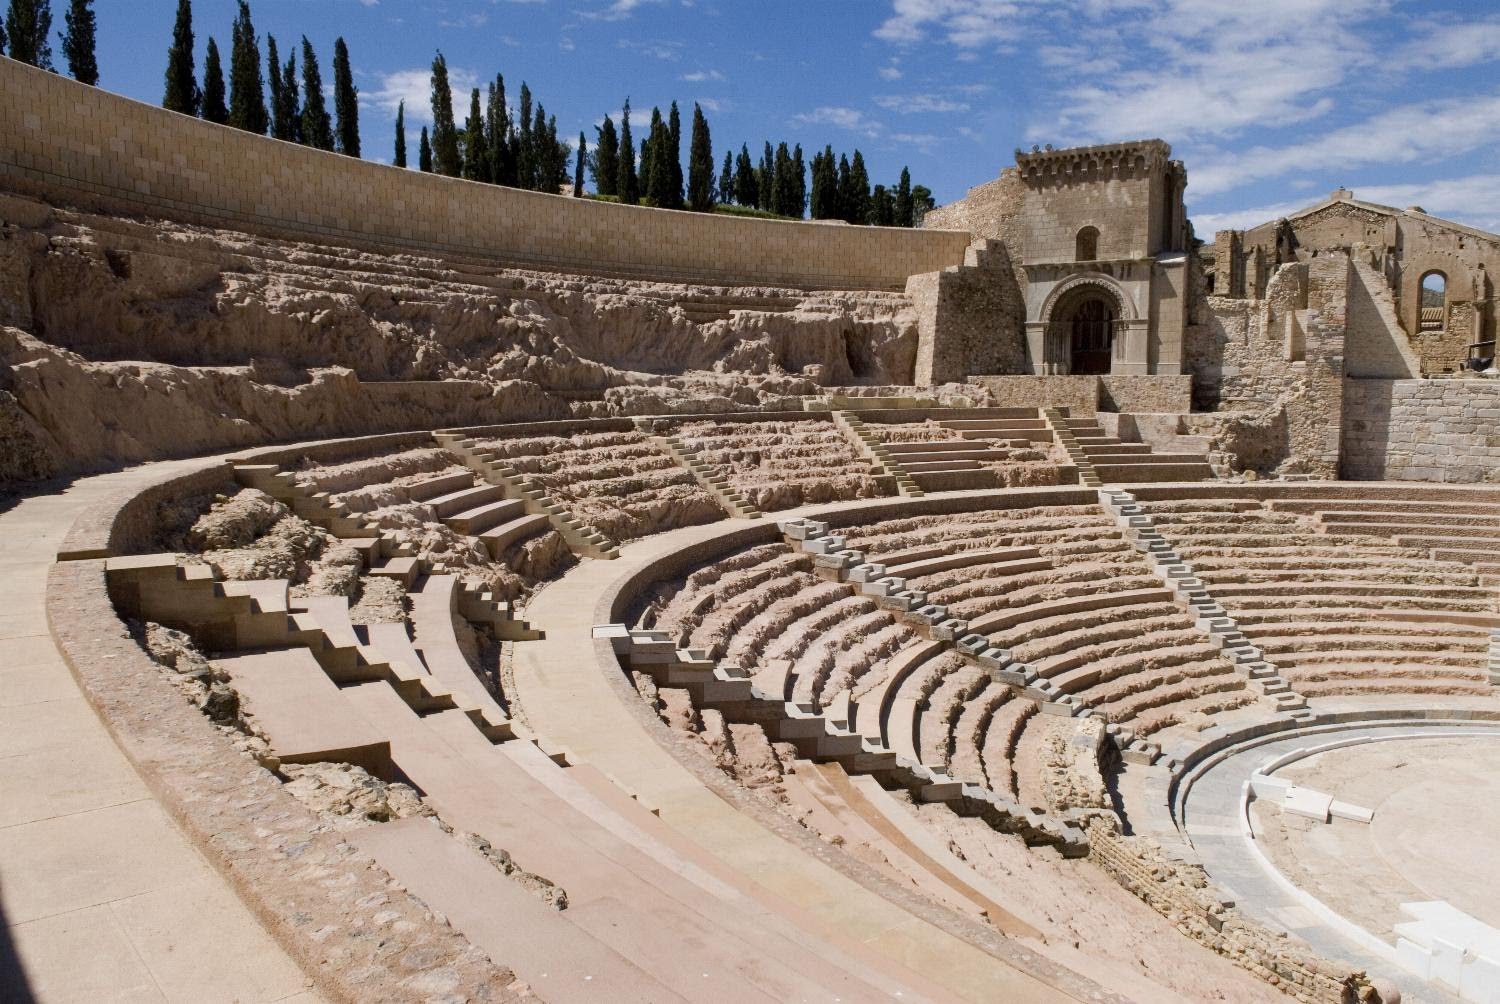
(1091, 335)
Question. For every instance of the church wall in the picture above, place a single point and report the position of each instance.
(1422, 430)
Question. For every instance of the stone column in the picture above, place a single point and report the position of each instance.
(1038, 348)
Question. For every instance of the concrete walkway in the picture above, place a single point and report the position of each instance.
(103, 898)
(568, 698)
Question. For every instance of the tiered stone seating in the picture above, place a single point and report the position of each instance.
(1061, 589)
(780, 464)
(1337, 613)
(939, 460)
(619, 482)
(1126, 463)
(1462, 531)
(1003, 425)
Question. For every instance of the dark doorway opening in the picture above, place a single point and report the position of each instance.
(1091, 337)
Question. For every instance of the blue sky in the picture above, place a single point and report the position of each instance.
(1271, 103)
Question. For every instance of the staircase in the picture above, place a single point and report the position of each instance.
(868, 445)
(711, 478)
(1117, 462)
(584, 540)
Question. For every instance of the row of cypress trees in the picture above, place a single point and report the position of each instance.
(292, 116)
(841, 191)
(492, 145)
(27, 27)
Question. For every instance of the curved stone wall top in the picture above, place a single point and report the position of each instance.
(62, 139)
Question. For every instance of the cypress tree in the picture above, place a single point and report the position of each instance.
(825, 186)
(292, 112)
(674, 157)
(659, 182)
(700, 165)
(583, 156)
(445, 157)
(280, 127)
(784, 192)
(726, 179)
(765, 179)
(629, 192)
(28, 23)
(921, 203)
(214, 107)
(746, 191)
(859, 188)
(648, 158)
(526, 173)
(78, 42)
(317, 127)
(799, 182)
(476, 153)
(400, 158)
(424, 153)
(247, 96)
(345, 100)
(607, 159)
(846, 195)
(182, 86)
(903, 200)
(2, 36)
(500, 136)
(882, 207)
(558, 151)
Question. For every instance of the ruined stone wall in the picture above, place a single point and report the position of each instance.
(1086, 394)
(1422, 430)
(1181, 892)
(69, 142)
(969, 318)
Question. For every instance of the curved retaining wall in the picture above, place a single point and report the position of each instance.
(60, 138)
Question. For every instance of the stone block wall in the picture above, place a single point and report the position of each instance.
(70, 143)
(1422, 430)
(1181, 892)
(1086, 394)
(969, 318)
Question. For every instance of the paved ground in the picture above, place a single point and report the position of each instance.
(1213, 823)
(102, 897)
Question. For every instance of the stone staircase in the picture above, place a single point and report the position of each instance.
(383, 554)
(1209, 616)
(868, 445)
(228, 616)
(1117, 462)
(729, 690)
(584, 540)
(1063, 434)
(711, 478)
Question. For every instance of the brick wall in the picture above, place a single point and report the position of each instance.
(1422, 430)
(67, 142)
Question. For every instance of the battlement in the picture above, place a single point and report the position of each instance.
(1130, 159)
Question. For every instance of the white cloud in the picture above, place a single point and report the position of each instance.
(370, 3)
(470, 21)
(414, 86)
(617, 11)
(712, 104)
(566, 44)
(965, 23)
(890, 73)
(665, 51)
(842, 118)
(913, 104)
(1407, 133)
(698, 76)
(1207, 224)
(1449, 45)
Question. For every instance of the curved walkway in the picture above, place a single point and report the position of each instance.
(1211, 814)
(103, 898)
(572, 692)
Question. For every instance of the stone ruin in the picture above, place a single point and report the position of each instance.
(473, 627)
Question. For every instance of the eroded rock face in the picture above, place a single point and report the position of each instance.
(126, 341)
(348, 797)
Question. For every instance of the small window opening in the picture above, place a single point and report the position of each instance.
(1088, 245)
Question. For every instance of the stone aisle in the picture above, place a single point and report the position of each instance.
(102, 896)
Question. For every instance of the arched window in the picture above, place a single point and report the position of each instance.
(1088, 245)
(1434, 301)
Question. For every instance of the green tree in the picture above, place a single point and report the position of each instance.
(784, 187)
(647, 156)
(700, 165)
(846, 196)
(247, 95)
(280, 124)
(497, 135)
(922, 203)
(525, 145)
(2, 36)
(400, 158)
(583, 156)
(630, 193)
(746, 185)
(445, 158)
(215, 108)
(345, 100)
(293, 110)
(27, 24)
(659, 183)
(476, 154)
(765, 179)
(78, 42)
(182, 86)
(606, 160)
(424, 153)
(903, 200)
(674, 157)
(882, 207)
(726, 179)
(799, 182)
(825, 186)
(317, 127)
(859, 190)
